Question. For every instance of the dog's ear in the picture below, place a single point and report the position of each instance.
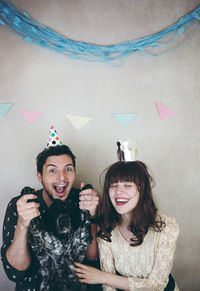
(49, 222)
(85, 216)
(80, 219)
(78, 216)
(75, 218)
(73, 198)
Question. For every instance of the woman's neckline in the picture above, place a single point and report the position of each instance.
(122, 235)
(129, 241)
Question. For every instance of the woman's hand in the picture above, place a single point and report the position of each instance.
(88, 275)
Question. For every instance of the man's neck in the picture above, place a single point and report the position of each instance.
(47, 199)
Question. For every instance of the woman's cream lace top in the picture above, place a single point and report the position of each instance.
(147, 265)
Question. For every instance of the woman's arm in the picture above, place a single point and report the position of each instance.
(106, 276)
(106, 262)
(90, 275)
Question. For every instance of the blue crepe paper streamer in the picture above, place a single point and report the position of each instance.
(31, 31)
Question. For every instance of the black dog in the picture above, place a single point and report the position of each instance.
(58, 240)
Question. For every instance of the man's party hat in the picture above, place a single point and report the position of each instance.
(53, 139)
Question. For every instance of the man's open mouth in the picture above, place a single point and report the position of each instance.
(60, 188)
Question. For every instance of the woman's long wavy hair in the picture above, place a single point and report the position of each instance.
(144, 215)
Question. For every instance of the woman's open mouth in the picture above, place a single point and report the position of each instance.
(121, 201)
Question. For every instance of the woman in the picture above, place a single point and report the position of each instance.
(136, 243)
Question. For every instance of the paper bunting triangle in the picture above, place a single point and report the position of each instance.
(31, 116)
(78, 121)
(164, 111)
(4, 109)
(124, 118)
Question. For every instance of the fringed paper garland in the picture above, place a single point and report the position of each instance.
(31, 31)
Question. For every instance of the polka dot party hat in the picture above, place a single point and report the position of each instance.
(53, 139)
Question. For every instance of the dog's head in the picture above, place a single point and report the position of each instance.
(63, 218)
(56, 219)
(64, 226)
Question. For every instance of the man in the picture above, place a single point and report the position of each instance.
(56, 172)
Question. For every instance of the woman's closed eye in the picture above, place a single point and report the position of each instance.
(128, 185)
(113, 185)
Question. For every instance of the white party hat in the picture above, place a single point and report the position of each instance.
(126, 150)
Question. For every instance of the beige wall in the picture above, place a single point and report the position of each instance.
(33, 78)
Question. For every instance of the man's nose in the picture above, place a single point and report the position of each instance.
(62, 175)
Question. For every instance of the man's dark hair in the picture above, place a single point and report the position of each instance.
(53, 151)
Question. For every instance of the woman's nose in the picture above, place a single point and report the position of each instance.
(119, 190)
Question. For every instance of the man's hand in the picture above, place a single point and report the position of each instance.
(89, 200)
(27, 210)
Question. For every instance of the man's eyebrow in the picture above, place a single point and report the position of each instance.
(52, 165)
(67, 165)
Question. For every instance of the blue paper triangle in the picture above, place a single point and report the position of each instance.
(124, 118)
(4, 109)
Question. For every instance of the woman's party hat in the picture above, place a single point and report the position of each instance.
(126, 150)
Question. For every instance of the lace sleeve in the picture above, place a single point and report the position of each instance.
(164, 253)
(106, 260)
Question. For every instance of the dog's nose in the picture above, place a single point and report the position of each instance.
(63, 225)
(63, 220)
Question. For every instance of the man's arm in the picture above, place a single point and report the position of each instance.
(89, 200)
(92, 250)
(18, 254)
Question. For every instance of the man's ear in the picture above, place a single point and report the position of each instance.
(39, 176)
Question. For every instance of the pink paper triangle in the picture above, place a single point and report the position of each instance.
(164, 111)
(31, 116)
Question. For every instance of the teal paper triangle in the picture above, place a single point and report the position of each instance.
(124, 118)
(4, 109)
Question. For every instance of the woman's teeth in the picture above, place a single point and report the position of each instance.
(121, 200)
